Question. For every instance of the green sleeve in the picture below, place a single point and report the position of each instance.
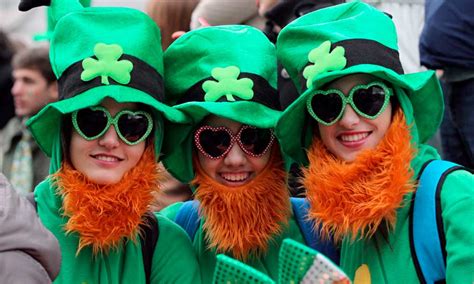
(457, 204)
(174, 260)
(171, 211)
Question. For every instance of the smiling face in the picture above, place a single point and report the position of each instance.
(106, 159)
(236, 168)
(353, 133)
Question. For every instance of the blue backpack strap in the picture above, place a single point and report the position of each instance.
(311, 237)
(427, 239)
(188, 217)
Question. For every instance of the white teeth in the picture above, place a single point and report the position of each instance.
(354, 137)
(235, 177)
(106, 158)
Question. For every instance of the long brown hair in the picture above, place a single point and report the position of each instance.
(171, 16)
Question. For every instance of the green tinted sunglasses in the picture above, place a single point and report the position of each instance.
(131, 126)
(368, 101)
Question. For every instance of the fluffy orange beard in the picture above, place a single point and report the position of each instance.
(103, 215)
(242, 220)
(355, 198)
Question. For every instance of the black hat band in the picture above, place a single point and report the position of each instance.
(263, 92)
(143, 77)
(364, 51)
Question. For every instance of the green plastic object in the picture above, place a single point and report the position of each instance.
(231, 271)
(297, 263)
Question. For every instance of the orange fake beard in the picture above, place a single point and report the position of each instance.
(104, 215)
(351, 199)
(242, 220)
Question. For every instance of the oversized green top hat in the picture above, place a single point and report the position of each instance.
(100, 52)
(228, 71)
(346, 39)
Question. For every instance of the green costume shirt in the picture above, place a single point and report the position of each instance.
(173, 259)
(266, 263)
(388, 259)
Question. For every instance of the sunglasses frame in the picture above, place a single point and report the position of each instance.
(113, 120)
(349, 101)
(233, 139)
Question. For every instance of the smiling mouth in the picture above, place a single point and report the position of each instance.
(353, 137)
(235, 177)
(106, 158)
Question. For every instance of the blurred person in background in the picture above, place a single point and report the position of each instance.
(34, 86)
(447, 44)
(226, 12)
(29, 253)
(279, 13)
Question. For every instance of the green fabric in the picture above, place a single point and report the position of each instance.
(193, 56)
(81, 33)
(125, 265)
(390, 261)
(309, 36)
(216, 56)
(267, 263)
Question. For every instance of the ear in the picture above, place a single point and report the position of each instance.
(53, 91)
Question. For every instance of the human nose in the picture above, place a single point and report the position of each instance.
(17, 88)
(110, 139)
(349, 118)
(235, 157)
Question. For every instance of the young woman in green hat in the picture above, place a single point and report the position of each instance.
(104, 136)
(358, 127)
(224, 79)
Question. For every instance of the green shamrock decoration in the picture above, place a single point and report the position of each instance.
(107, 65)
(227, 85)
(324, 61)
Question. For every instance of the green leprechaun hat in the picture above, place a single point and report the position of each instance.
(100, 52)
(227, 71)
(346, 39)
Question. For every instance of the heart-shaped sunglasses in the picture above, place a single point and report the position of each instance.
(216, 142)
(369, 101)
(131, 126)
